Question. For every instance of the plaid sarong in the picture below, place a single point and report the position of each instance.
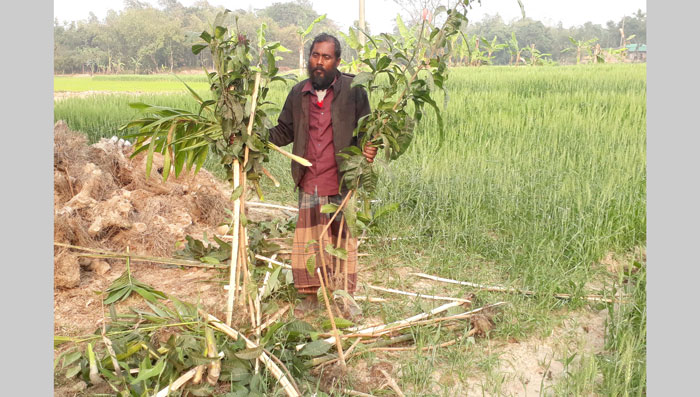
(306, 243)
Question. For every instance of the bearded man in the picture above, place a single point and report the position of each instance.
(319, 117)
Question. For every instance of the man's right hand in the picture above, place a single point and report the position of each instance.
(369, 152)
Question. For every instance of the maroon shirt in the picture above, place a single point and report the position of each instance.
(323, 173)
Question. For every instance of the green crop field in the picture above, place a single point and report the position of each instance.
(538, 175)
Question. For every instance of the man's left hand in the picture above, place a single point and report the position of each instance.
(369, 152)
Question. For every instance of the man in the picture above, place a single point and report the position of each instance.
(319, 116)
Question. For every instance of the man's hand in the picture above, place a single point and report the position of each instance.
(369, 152)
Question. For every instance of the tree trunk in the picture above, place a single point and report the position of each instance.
(171, 59)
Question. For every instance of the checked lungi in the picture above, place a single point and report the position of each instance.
(309, 227)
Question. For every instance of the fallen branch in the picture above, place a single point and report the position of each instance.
(139, 258)
(271, 366)
(380, 343)
(434, 297)
(498, 288)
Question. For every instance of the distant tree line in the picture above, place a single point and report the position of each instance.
(145, 39)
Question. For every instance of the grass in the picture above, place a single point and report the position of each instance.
(538, 174)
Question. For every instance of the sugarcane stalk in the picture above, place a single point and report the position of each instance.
(338, 345)
(179, 382)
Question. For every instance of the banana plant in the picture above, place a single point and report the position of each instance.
(492, 48)
(580, 46)
(303, 39)
(414, 66)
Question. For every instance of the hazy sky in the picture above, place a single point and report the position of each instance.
(380, 14)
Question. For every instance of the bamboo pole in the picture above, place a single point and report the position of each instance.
(274, 369)
(433, 297)
(498, 288)
(338, 345)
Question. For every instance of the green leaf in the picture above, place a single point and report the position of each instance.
(311, 265)
(210, 260)
(315, 348)
(206, 36)
(329, 208)
(340, 323)
(146, 373)
(71, 372)
(219, 32)
(337, 252)
(70, 359)
(197, 48)
(249, 354)
(361, 78)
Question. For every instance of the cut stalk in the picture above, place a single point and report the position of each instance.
(179, 382)
(300, 160)
(214, 369)
(281, 207)
(233, 280)
(338, 345)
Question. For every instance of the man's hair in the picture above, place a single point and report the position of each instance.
(325, 37)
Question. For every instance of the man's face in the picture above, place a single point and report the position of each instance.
(322, 65)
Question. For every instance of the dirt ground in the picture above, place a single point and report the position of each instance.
(102, 200)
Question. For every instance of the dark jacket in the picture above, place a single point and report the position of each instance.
(349, 104)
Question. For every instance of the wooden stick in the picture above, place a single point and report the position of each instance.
(233, 279)
(179, 382)
(434, 297)
(141, 258)
(382, 342)
(392, 383)
(498, 288)
(274, 369)
(338, 345)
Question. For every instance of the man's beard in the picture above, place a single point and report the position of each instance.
(321, 82)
